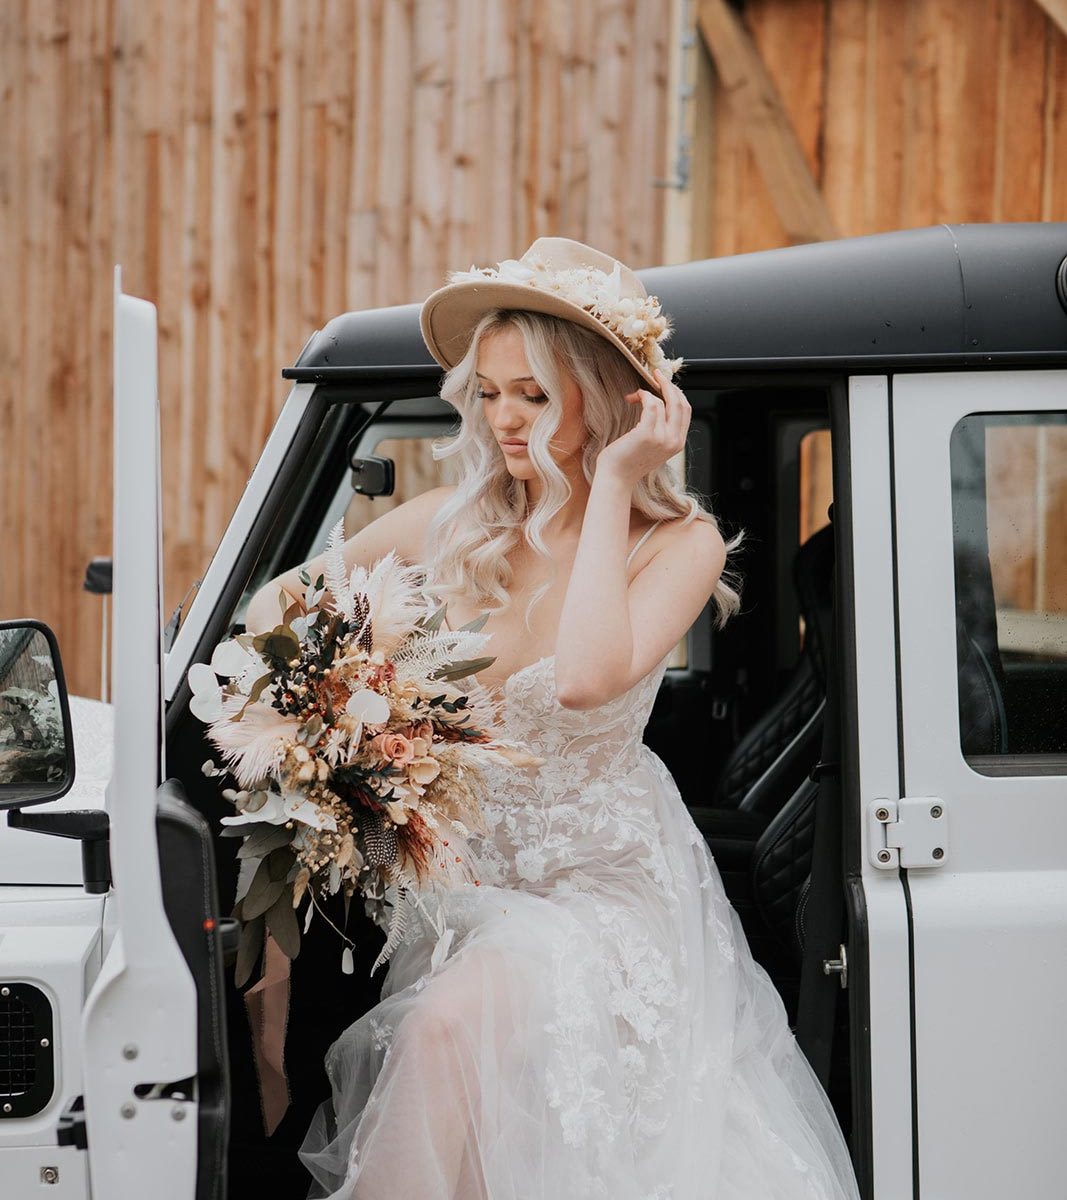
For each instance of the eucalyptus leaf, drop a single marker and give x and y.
(245, 875)
(249, 949)
(460, 670)
(433, 622)
(254, 694)
(282, 923)
(246, 829)
(279, 861)
(264, 840)
(279, 642)
(476, 624)
(262, 891)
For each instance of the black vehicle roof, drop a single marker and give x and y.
(961, 293)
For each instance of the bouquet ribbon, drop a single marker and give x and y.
(267, 1003)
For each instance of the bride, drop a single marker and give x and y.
(591, 1023)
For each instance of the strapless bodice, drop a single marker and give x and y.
(579, 745)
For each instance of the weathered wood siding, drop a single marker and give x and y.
(258, 166)
(910, 113)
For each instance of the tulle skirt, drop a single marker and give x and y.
(591, 1031)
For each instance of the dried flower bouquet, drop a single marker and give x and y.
(358, 758)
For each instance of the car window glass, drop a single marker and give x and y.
(1009, 504)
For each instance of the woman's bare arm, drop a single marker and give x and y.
(402, 529)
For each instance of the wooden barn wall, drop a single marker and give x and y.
(910, 113)
(258, 166)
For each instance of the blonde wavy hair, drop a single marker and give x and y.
(486, 517)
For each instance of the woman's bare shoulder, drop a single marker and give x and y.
(698, 538)
(412, 519)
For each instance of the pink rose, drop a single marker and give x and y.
(394, 747)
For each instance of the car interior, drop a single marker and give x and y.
(738, 719)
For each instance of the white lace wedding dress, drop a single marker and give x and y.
(595, 1025)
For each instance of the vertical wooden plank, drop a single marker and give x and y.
(362, 232)
(263, 107)
(97, 495)
(186, 535)
(499, 170)
(338, 25)
(216, 374)
(285, 233)
(705, 138)
(1020, 112)
(966, 108)
(76, 459)
(431, 134)
(846, 142)
(610, 62)
(542, 111)
(465, 235)
(393, 112)
(889, 51)
(1054, 135)
(167, 214)
(578, 103)
(309, 234)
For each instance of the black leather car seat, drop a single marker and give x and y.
(756, 775)
(755, 800)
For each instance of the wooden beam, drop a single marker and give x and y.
(771, 137)
(1057, 11)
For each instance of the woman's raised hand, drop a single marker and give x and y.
(656, 438)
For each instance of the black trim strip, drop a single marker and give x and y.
(858, 931)
(856, 363)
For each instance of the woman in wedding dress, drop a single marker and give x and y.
(590, 1022)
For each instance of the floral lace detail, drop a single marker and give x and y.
(556, 830)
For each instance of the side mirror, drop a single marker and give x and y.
(36, 742)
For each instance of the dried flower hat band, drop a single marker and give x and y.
(563, 278)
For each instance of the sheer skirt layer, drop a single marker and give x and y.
(598, 1028)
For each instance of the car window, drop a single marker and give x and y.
(1009, 503)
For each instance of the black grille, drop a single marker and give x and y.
(26, 1052)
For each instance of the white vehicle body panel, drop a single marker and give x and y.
(139, 1020)
(990, 925)
(887, 917)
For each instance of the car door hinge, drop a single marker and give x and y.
(910, 832)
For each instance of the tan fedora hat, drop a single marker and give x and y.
(560, 277)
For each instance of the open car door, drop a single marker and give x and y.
(153, 1043)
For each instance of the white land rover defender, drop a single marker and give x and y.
(875, 749)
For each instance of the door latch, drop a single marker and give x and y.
(837, 966)
(910, 832)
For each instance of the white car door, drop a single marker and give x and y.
(977, 827)
(140, 1021)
